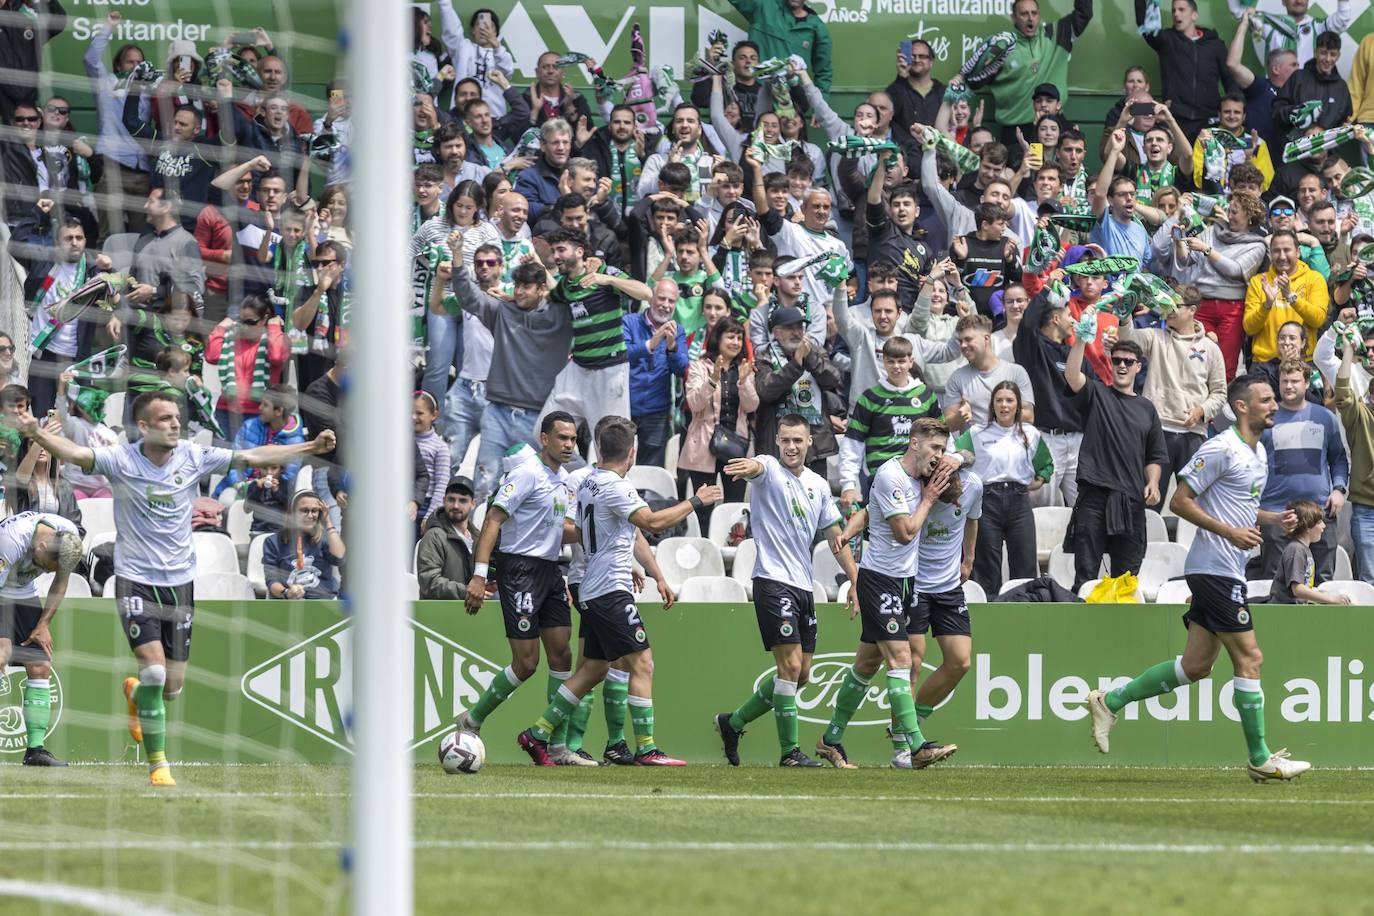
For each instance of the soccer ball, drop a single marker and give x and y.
(462, 752)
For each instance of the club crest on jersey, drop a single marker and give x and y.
(639, 634)
(785, 629)
(893, 626)
(524, 625)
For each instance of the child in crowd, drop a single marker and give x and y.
(434, 454)
(1293, 581)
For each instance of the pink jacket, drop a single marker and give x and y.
(704, 403)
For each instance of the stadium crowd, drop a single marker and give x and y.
(710, 256)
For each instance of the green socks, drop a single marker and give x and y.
(502, 686)
(759, 702)
(37, 710)
(556, 679)
(903, 706)
(923, 712)
(1161, 679)
(577, 722)
(152, 716)
(560, 707)
(847, 702)
(1249, 698)
(785, 714)
(614, 695)
(642, 715)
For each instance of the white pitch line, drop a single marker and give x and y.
(97, 901)
(165, 845)
(716, 797)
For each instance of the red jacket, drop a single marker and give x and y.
(216, 239)
(278, 352)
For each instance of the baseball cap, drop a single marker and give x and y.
(784, 316)
(460, 484)
(1283, 202)
(1046, 89)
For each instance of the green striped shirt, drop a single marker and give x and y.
(882, 418)
(598, 340)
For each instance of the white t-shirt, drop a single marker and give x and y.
(606, 501)
(796, 240)
(63, 343)
(976, 388)
(892, 494)
(787, 510)
(152, 508)
(16, 551)
(942, 538)
(577, 567)
(1228, 478)
(536, 499)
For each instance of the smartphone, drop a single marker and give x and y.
(1142, 109)
(484, 19)
(336, 94)
(183, 63)
(905, 48)
(244, 39)
(1344, 209)
(1037, 151)
(1177, 232)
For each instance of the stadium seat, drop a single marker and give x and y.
(1344, 570)
(240, 523)
(742, 570)
(1163, 561)
(974, 594)
(1050, 524)
(467, 467)
(712, 588)
(77, 586)
(1061, 566)
(818, 592)
(479, 513)
(1343, 536)
(223, 586)
(410, 587)
(686, 558)
(1155, 529)
(257, 576)
(109, 590)
(1167, 493)
(654, 479)
(671, 454)
(1361, 593)
(1008, 586)
(693, 525)
(1258, 588)
(215, 552)
(825, 569)
(1173, 592)
(723, 517)
(1086, 588)
(304, 478)
(97, 517)
(1185, 533)
(843, 595)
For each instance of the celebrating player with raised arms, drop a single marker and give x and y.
(1219, 492)
(901, 496)
(155, 483)
(31, 544)
(788, 505)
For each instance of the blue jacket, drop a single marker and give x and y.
(253, 433)
(651, 389)
(539, 184)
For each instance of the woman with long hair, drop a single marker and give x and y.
(720, 395)
(1012, 461)
(331, 215)
(301, 559)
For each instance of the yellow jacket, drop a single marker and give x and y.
(1361, 81)
(1308, 308)
(1260, 160)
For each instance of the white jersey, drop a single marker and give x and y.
(605, 503)
(892, 494)
(577, 568)
(17, 569)
(536, 499)
(1228, 478)
(787, 510)
(942, 538)
(152, 508)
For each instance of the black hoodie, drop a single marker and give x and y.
(1307, 85)
(1191, 69)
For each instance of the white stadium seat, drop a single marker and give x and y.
(825, 568)
(670, 455)
(1185, 532)
(843, 595)
(1173, 592)
(304, 479)
(77, 587)
(1050, 524)
(1155, 529)
(240, 523)
(467, 467)
(215, 552)
(223, 586)
(712, 588)
(1061, 566)
(257, 576)
(974, 594)
(1163, 561)
(1008, 585)
(1258, 588)
(742, 570)
(97, 517)
(653, 478)
(1361, 593)
(1086, 588)
(1343, 568)
(818, 593)
(109, 590)
(681, 559)
(723, 518)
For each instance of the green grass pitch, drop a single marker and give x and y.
(707, 840)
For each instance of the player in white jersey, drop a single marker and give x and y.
(1219, 492)
(528, 514)
(788, 504)
(943, 563)
(615, 691)
(899, 499)
(155, 483)
(31, 544)
(610, 513)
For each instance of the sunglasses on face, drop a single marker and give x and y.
(53, 109)
(250, 322)
(320, 262)
(1123, 361)
(4, 349)
(1281, 211)
(27, 119)
(485, 262)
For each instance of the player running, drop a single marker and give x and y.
(610, 511)
(1219, 492)
(155, 482)
(31, 544)
(527, 513)
(896, 514)
(788, 504)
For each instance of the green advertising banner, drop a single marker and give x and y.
(270, 681)
(865, 33)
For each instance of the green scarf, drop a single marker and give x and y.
(625, 165)
(228, 376)
(1148, 180)
(289, 270)
(55, 323)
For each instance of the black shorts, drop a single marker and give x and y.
(533, 596)
(18, 617)
(883, 607)
(786, 614)
(614, 629)
(943, 613)
(1219, 604)
(157, 613)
